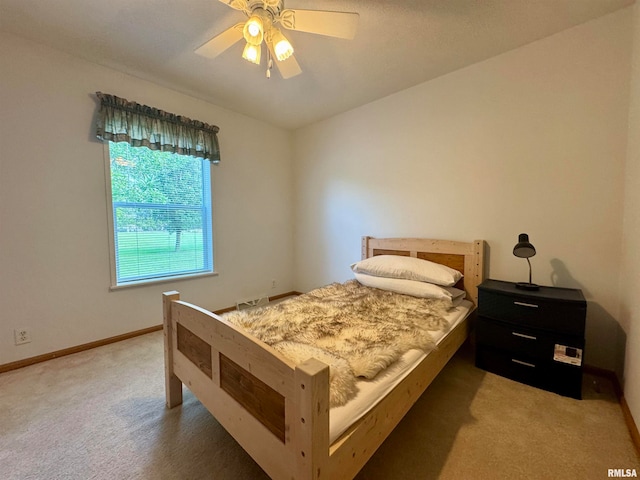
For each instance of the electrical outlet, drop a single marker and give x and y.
(21, 335)
(273, 283)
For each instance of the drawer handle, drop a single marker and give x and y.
(528, 337)
(526, 364)
(522, 304)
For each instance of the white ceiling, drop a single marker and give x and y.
(400, 43)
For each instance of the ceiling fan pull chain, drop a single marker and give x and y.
(269, 63)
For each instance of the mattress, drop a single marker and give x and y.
(370, 392)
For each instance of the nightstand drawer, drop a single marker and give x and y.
(514, 338)
(516, 367)
(532, 312)
(538, 344)
(548, 375)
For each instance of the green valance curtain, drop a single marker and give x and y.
(120, 120)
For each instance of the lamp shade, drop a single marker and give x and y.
(523, 248)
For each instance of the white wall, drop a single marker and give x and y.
(533, 141)
(54, 254)
(630, 278)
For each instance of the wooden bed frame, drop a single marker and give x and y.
(278, 411)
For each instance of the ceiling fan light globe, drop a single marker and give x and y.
(253, 30)
(281, 46)
(252, 53)
(283, 50)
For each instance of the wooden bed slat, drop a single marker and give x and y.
(262, 401)
(400, 253)
(195, 349)
(452, 261)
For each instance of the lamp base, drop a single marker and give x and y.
(527, 286)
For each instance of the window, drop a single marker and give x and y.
(158, 180)
(161, 211)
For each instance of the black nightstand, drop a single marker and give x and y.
(534, 337)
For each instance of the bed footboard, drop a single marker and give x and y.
(277, 411)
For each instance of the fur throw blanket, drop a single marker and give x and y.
(356, 330)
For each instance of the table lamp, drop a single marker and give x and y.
(524, 249)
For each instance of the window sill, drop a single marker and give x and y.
(146, 283)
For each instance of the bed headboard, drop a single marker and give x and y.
(467, 258)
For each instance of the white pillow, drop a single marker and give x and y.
(412, 287)
(408, 268)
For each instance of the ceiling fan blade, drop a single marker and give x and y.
(332, 24)
(241, 5)
(221, 42)
(288, 68)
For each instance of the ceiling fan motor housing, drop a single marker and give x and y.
(271, 7)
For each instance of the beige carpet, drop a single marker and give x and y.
(100, 415)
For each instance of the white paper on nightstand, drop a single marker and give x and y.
(565, 354)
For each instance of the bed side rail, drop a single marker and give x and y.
(350, 452)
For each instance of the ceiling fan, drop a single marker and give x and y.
(262, 27)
